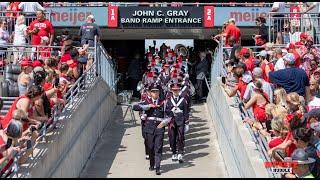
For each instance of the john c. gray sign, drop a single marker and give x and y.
(160, 17)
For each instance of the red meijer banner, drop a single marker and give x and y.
(113, 16)
(208, 19)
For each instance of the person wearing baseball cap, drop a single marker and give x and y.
(265, 65)
(24, 78)
(292, 79)
(244, 79)
(88, 31)
(266, 86)
(303, 39)
(302, 169)
(291, 48)
(247, 58)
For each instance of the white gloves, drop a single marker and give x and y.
(186, 128)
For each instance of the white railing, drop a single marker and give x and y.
(294, 23)
(217, 70)
(82, 85)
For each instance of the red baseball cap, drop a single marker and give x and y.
(303, 35)
(244, 51)
(290, 46)
(37, 64)
(26, 62)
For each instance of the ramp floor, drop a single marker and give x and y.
(119, 152)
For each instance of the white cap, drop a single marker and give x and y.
(90, 16)
(45, 38)
(232, 20)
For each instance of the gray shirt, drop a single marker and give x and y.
(266, 87)
(89, 30)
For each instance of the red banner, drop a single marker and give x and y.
(112, 16)
(208, 16)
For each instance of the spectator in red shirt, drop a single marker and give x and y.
(247, 58)
(44, 51)
(291, 48)
(265, 65)
(244, 79)
(232, 30)
(303, 39)
(41, 27)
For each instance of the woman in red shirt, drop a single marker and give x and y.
(25, 103)
(258, 102)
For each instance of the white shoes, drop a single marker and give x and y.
(180, 158)
(174, 157)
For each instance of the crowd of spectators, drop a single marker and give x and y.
(43, 82)
(280, 86)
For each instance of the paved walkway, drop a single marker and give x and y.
(120, 151)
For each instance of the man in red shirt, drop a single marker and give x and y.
(303, 39)
(247, 58)
(39, 28)
(265, 65)
(291, 48)
(232, 30)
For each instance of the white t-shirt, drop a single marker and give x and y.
(280, 5)
(279, 65)
(30, 7)
(19, 38)
(314, 104)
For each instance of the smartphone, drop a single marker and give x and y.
(9, 143)
(56, 82)
(223, 79)
(29, 144)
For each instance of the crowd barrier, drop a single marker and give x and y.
(228, 114)
(288, 26)
(10, 53)
(83, 84)
(11, 18)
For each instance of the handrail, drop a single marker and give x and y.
(82, 83)
(260, 141)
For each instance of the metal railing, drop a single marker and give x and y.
(218, 70)
(75, 4)
(11, 18)
(72, 97)
(288, 26)
(10, 53)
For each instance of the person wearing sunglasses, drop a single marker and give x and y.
(4, 39)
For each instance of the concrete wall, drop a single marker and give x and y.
(240, 154)
(68, 151)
